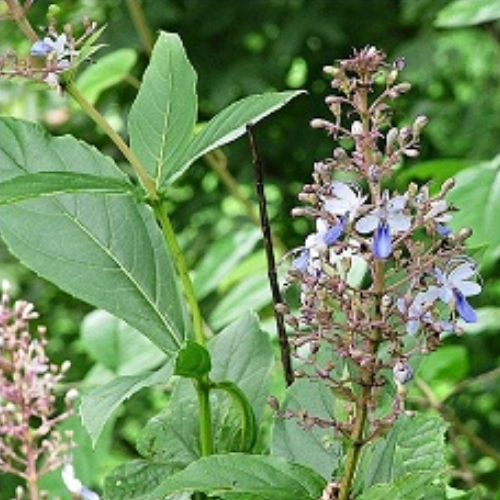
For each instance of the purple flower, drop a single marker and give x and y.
(384, 221)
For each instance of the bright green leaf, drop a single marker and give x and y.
(251, 293)
(117, 346)
(40, 184)
(106, 250)
(239, 476)
(99, 404)
(480, 182)
(467, 13)
(106, 72)
(221, 258)
(163, 115)
(315, 448)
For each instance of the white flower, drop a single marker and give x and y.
(343, 200)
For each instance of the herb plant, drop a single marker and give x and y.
(377, 284)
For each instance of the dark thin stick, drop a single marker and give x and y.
(286, 359)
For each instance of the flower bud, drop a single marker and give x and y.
(402, 372)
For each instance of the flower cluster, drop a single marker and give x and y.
(31, 445)
(416, 278)
(58, 53)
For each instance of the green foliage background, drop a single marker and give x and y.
(244, 47)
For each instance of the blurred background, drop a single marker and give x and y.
(238, 48)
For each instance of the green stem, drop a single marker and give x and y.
(19, 15)
(205, 423)
(182, 269)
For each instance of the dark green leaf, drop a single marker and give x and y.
(192, 361)
(163, 116)
(242, 354)
(315, 448)
(98, 405)
(239, 476)
(416, 486)
(230, 124)
(414, 445)
(104, 249)
(135, 480)
(29, 186)
(468, 13)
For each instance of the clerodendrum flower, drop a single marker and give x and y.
(384, 221)
(455, 285)
(343, 200)
(318, 242)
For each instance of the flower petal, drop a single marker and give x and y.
(302, 261)
(367, 224)
(41, 48)
(382, 244)
(464, 309)
(334, 233)
(399, 222)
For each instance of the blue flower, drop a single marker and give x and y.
(42, 48)
(384, 221)
(316, 244)
(455, 285)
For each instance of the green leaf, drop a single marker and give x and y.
(248, 422)
(192, 361)
(106, 250)
(467, 13)
(135, 479)
(481, 182)
(36, 185)
(163, 115)
(99, 404)
(241, 353)
(230, 124)
(414, 445)
(239, 476)
(106, 72)
(117, 346)
(315, 448)
(221, 258)
(251, 293)
(416, 486)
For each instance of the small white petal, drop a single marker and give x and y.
(399, 222)
(462, 272)
(367, 224)
(469, 288)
